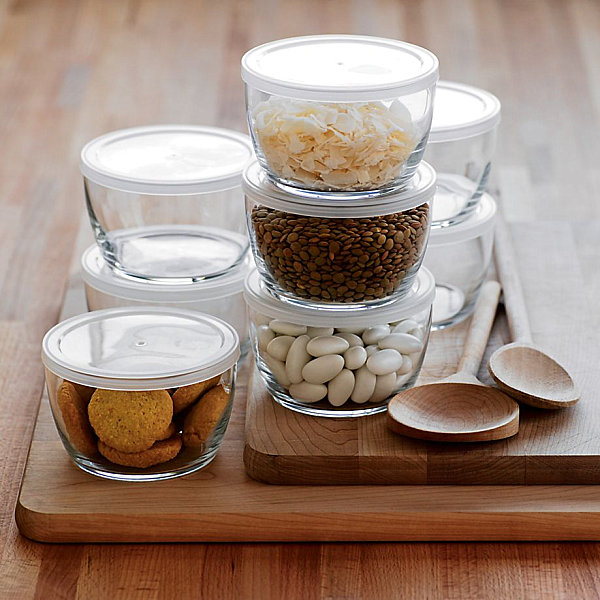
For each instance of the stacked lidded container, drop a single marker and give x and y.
(166, 207)
(339, 211)
(142, 389)
(461, 147)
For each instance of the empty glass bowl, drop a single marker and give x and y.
(165, 201)
(222, 297)
(459, 256)
(461, 146)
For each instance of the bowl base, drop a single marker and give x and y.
(174, 253)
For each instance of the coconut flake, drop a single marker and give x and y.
(353, 146)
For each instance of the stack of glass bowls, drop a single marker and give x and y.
(461, 147)
(166, 207)
(339, 212)
(141, 388)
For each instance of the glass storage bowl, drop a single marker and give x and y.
(339, 113)
(165, 201)
(334, 363)
(141, 394)
(459, 256)
(461, 147)
(222, 297)
(317, 250)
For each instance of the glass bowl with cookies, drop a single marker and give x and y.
(141, 394)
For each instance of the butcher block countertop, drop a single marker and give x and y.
(73, 69)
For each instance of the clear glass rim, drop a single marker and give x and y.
(99, 175)
(258, 187)
(55, 361)
(488, 120)
(419, 298)
(482, 218)
(252, 75)
(100, 276)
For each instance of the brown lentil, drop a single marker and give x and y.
(340, 260)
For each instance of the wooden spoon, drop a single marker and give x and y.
(459, 408)
(522, 369)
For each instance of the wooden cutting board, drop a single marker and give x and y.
(60, 503)
(552, 447)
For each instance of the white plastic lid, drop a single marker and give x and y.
(419, 298)
(421, 188)
(97, 274)
(462, 111)
(167, 159)
(479, 222)
(339, 67)
(140, 348)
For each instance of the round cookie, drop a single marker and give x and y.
(73, 409)
(185, 396)
(170, 430)
(130, 421)
(160, 452)
(203, 417)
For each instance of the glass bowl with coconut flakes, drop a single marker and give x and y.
(339, 113)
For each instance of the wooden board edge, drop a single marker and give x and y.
(294, 470)
(311, 527)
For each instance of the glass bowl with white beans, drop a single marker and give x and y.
(339, 363)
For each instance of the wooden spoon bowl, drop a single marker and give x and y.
(454, 412)
(522, 369)
(531, 376)
(459, 408)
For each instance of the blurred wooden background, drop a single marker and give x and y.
(73, 69)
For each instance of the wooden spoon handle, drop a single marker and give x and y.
(506, 267)
(481, 325)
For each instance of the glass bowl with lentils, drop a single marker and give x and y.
(347, 252)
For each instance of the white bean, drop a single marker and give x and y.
(384, 386)
(364, 385)
(351, 338)
(402, 379)
(372, 349)
(402, 342)
(384, 362)
(418, 332)
(355, 330)
(264, 335)
(327, 344)
(286, 328)
(323, 369)
(407, 365)
(297, 357)
(277, 368)
(355, 357)
(317, 331)
(405, 326)
(373, 334)
(340, 387)
(308, 392)
(278, 347)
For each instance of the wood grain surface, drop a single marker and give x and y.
(72, 69)
(551, 447)
(60, 503)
